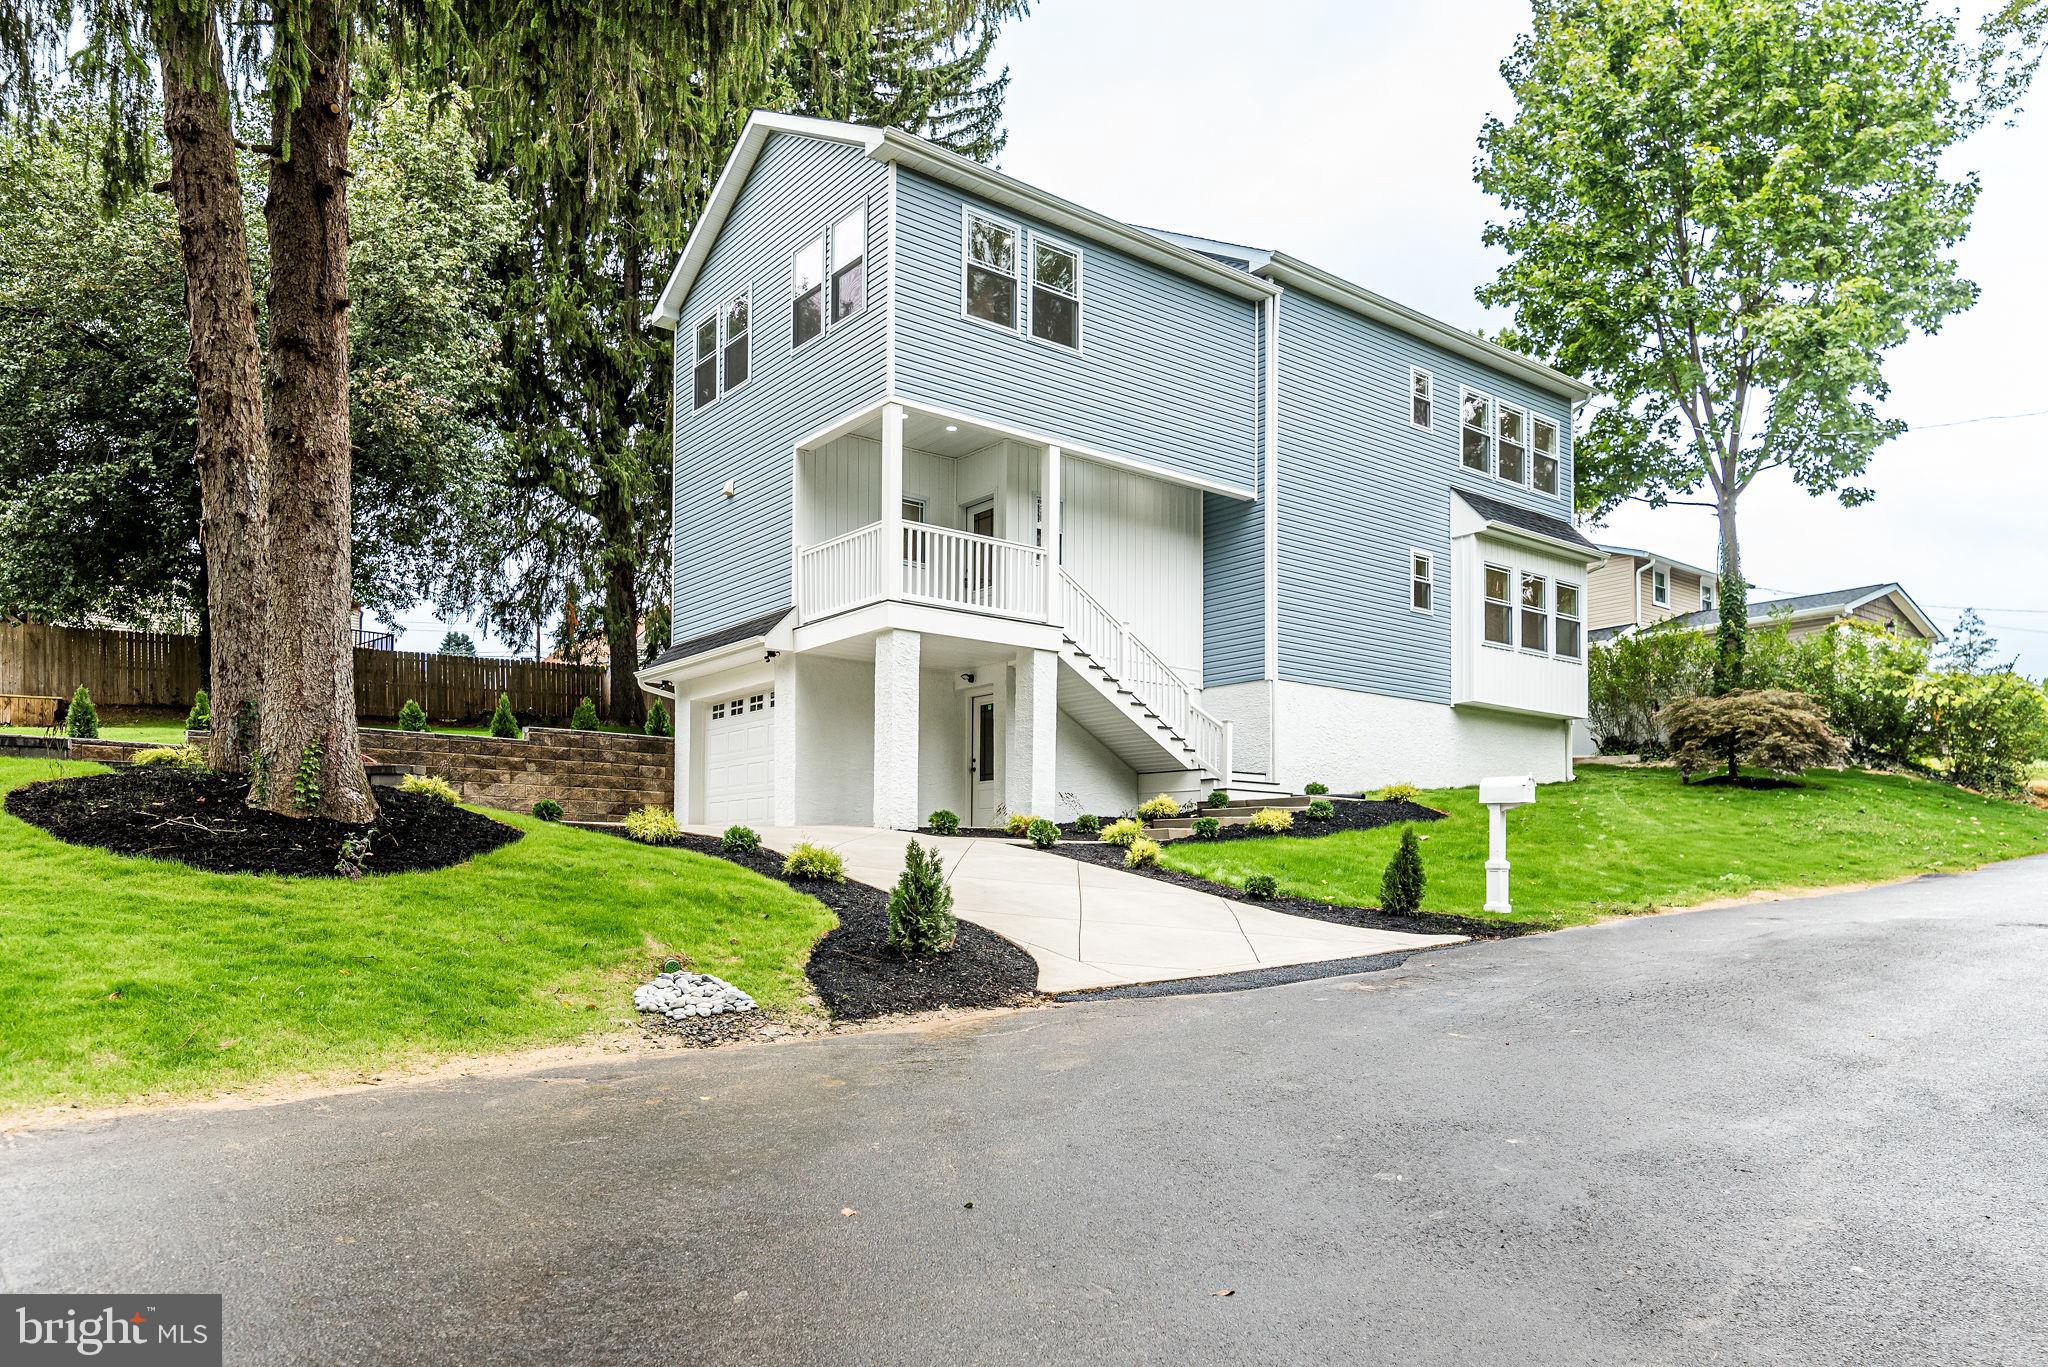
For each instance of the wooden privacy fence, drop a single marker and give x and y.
(158, 669)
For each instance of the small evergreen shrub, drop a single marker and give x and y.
(584, 718)
(921, 917)
(1087, 823)
(426, 785)
(82, 719)
(1316, 789)
(1142, 854)
(1401, 885)
(658, 723)
(815, 863)
(200, 718)
(1399, 792)
(652, 825)
(1019, 823)
(1262, 887)
(1122, 832)
(547, 809)
(412, 717)
(740, 840)
(1042, 833)
(172, 756)
(1207, 827)
(1272, 820)
(504, 725)
(1220, 798)
(1321, 809)
(943, 821)
(1161, 808)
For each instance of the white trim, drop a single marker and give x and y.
(889, 297)
(1416, 372)
(1078, 296)
(1272, 496)
(1037, 438)
(894, 614)
(1428, 558)
(968, 213)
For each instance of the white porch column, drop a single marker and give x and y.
(1049, 531)
(681, 714)
(897, 655)
(782, 739)
(1033, 737)
(892, 501)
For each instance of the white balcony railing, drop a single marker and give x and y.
(842, 573)
(960, 569)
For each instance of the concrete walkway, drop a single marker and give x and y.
(1091, 927)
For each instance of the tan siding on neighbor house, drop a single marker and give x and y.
(1611, 594)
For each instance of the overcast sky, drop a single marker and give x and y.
(1345, 134)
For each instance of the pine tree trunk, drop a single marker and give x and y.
(309, 698)
(227, 375)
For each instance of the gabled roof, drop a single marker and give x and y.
(1513, 517)
(1828, 606)
(1631, 552)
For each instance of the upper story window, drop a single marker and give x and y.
(1660, 588)
(807, 292)
(720, 337)
(1422, 581)
(704, 373)
(1512, 464)
(1477, 432)
(1569, 636)
(1499, 624)
(736, 344)
(1421, 393)
(1543, 464)
(989, 291)
(1706, 596)
(849, 264)
(1535, 613)
(1055, 294)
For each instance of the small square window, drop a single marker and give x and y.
(1421, 582)
(1421, 389)
(757, 702)
(718, 711)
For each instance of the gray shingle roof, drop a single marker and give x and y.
(1839, 600)
(723, 636)
(1528, 520)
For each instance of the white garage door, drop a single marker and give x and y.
(739, 772)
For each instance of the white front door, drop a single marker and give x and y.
(739, 767)
(983, 793)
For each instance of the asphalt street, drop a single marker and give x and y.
(1799, 1132)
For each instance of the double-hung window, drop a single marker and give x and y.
(1660, 588)
(1055, 294)
(1422, 581)
(1421, 390)
(1569, 636)
(704, 372)
(1478, 432)
(1499, 623)
(807, 292)
(849, 264)
(737, 346)
(1513, 448)
(1706, 595)
(1535, 613)
(989, 291)
(1543, 464)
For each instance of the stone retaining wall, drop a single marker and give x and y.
(595, 775)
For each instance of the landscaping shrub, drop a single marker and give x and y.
(1321, 809)
(176, 756)
(1018, 823)
(1630, 679)
(306, 781)
(1273, 820)
(1207, 827)
(1985, 730)
(1087, 823)
(1161, 808)
(1262, 887)
(1220, 798)
(658, 723)
(921, 917)
(412, 717)
(1042, 833)
(504, 725)
(584, 718)
(740, 840)
(652, 825)
(1122, 832)
(82, 719)
(426, 785)
(1861, 678)
(1316, 789)
(200, 718)
(547, 809)
(1399, 792)
(1401, 884)
(350, 859)
(1770, 729)
(814, 862)
(1142, 854)
(943, 821)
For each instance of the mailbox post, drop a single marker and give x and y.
(1499, 794)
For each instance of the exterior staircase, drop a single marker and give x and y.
(1119, 688)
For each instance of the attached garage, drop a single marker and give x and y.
(739, 769)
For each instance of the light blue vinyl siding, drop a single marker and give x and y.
(732, 555)
(1234, 567)
(1167, 372)
(1359, 488)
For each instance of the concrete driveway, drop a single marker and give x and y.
(1090, 927)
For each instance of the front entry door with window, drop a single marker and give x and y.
(979, 569)
(983, 796)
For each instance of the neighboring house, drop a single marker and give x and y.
(1640, 588)
(988, 502)
(1881, 605)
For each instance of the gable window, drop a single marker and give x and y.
(736, 346)
(1055, 295)
(849, 265)
(705, 374)
(1513, 446)
(1478, 432)
(1421, 581)
(1543, 465)
(1535, 613)
(807, 292)
(1421, 388)
(1706, 595)
(991, 271)
(1660, 588)
(1499, 624)
(1568, 632)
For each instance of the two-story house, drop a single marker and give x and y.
(989, 502)
(1637, 588)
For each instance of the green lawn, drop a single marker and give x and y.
(1622, 841)
(128, 977)
(155, 732)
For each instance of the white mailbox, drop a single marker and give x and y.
(1497, 795)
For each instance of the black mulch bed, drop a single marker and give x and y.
(203, 820)
(858, 978)
(1352, 814)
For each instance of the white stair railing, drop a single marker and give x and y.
(1103, 637)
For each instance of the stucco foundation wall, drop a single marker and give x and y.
(1090, 778)
(1248, 709)
(1355, 741)
(835, 740)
